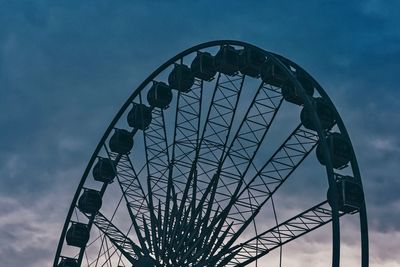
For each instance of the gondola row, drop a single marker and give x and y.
(229, 61)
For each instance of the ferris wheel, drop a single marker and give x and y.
(187, 172)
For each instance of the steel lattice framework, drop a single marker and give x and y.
(190, 164)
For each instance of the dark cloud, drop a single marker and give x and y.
(66, 68)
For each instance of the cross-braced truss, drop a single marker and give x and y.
(203, 177)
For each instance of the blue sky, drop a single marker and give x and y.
(67, 66)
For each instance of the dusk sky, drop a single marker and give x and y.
(66, 67)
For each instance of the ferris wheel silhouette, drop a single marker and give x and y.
(186, 170)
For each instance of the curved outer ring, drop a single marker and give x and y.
(280, 61)
(354, 166)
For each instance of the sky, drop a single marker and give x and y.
(67, 66)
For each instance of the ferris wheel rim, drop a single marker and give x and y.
(279, 60)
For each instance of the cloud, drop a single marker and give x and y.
(28, 230)
(65, 69)
(385, 144)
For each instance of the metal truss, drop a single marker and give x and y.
(239, 157)
(157, 157)
(157, 164)
(301, 224)
(217, 128)
(201, 190)
(197, 152)
(131, 188)
(186, 134)
(126, 246)
(135, 198)
(270, 177)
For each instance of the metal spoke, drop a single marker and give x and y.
(272, 175)
(194, 185)
(246, 142)
(217, 129)
(125, 245)
(281, 234)
(132, 192)
(156, 147)
(186, 134)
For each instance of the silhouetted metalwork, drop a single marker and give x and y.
(186, 159)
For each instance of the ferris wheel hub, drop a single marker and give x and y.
(144, 261)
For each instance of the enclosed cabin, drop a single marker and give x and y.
(77, 235)
(203, 66)
(121, 141)
(273, 74)
(291, 92)
(350, 194)
(159, 95)
(339, 150)
(250, 61)
(306, 82)
(139, 116)
(68, 262)
(90, 201)
(324, 113)
(104, 170)
(181, 78)
(227, 60)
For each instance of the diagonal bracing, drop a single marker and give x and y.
(301, 224)
(125, 245)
